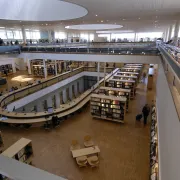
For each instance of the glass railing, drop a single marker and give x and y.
(18, 94)
(8, 49)
(172, 61)
(100, 48)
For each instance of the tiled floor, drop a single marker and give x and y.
(124, 147)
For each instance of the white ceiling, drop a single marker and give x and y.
(136, 15)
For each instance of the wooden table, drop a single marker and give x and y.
(85, 151)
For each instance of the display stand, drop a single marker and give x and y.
(1, 143)
(109, 108)
(117, 92)
(124, 84)
(154, 166)
(21, 151)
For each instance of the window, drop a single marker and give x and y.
(84, 36)
(123, 36)
(105, 36)
(91, 38)
(10, 34)
(3, 34)
(149, 35)
(60, 35)
(32, 34)
(18, 34)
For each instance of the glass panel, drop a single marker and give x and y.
(18, 34)
(3, 34)
(10, 34)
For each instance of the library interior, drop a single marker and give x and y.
(89, 90)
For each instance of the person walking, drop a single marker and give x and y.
(145, 111)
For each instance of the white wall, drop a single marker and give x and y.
(168, 130)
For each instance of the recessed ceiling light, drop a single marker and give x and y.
(139, 18)
(67, 27)
(107, 20)
(96, 15)
(124, 19)
(101, 20)
(20, 21)
(46, 24)
(42, 24)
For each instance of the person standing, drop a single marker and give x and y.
(145, 111)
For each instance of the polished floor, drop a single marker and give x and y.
(124, 147)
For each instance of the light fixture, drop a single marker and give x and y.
(139, 18)
(42, 24)
(124, 19)
(107, 20)
(20, 21)
(46, 24)
(96, 15)
(67, 27)
(101, 20)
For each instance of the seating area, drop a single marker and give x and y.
(85, 156)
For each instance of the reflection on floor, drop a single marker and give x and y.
(124, 148)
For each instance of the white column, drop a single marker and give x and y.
(176, 32)
(49, 101)
(29, 66)
(98, 70)
(13, 67)
(49, 36)
(45, 69)
(55, 68)
(104, 73)
(170, 32)
(134, 37)
(57, 99)
(24, 35)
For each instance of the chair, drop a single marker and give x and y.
(93, 161)
(88, 141)
(82, 161)
(74, 145)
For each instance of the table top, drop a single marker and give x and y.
(85, 151)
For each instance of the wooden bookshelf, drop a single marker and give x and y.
(109, 108)
(21, 151)
(124, 69)
(125, 77)
(118, 92)
(1, 143)
(154, 165)
(124, 84)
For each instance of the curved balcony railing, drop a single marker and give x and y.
(173, 63)
(65, 109)
(18, 94)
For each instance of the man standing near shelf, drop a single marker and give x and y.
(145, 111)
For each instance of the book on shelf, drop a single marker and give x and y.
(108, 107)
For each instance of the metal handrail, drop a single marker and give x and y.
(173, 63)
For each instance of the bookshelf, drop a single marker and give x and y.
(21, 151)
(1, 143)
(118, 92)
(124, 84)
(109, 108)
(124, 69)
(132, 66)
(154, 166)
(38, 70)
(125, 77)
